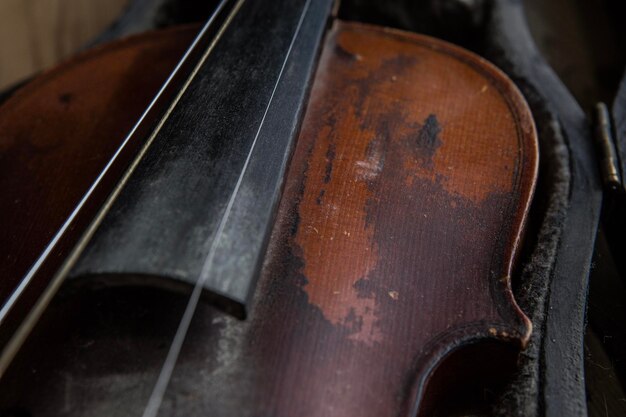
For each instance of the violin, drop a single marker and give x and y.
(279, 214)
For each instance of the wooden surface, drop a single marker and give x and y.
(35, 34)
(402, 209)
(386, 279)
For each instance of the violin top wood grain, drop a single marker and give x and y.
(402, 216)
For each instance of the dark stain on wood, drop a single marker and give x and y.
(330, 157)
(428, 138)
(343, 54)
(66, 98)
(320, 196)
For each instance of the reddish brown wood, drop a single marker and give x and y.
(402, 215)
(386, 283)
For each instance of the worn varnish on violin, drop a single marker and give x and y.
(388, 267)
(398, 227)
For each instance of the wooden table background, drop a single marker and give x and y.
(36, 34)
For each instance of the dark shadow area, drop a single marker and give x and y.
(469, 380)
(92, 352)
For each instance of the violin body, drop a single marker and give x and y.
(386, 285)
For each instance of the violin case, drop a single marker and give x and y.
(569, 279)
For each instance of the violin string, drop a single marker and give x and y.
(158, 393)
